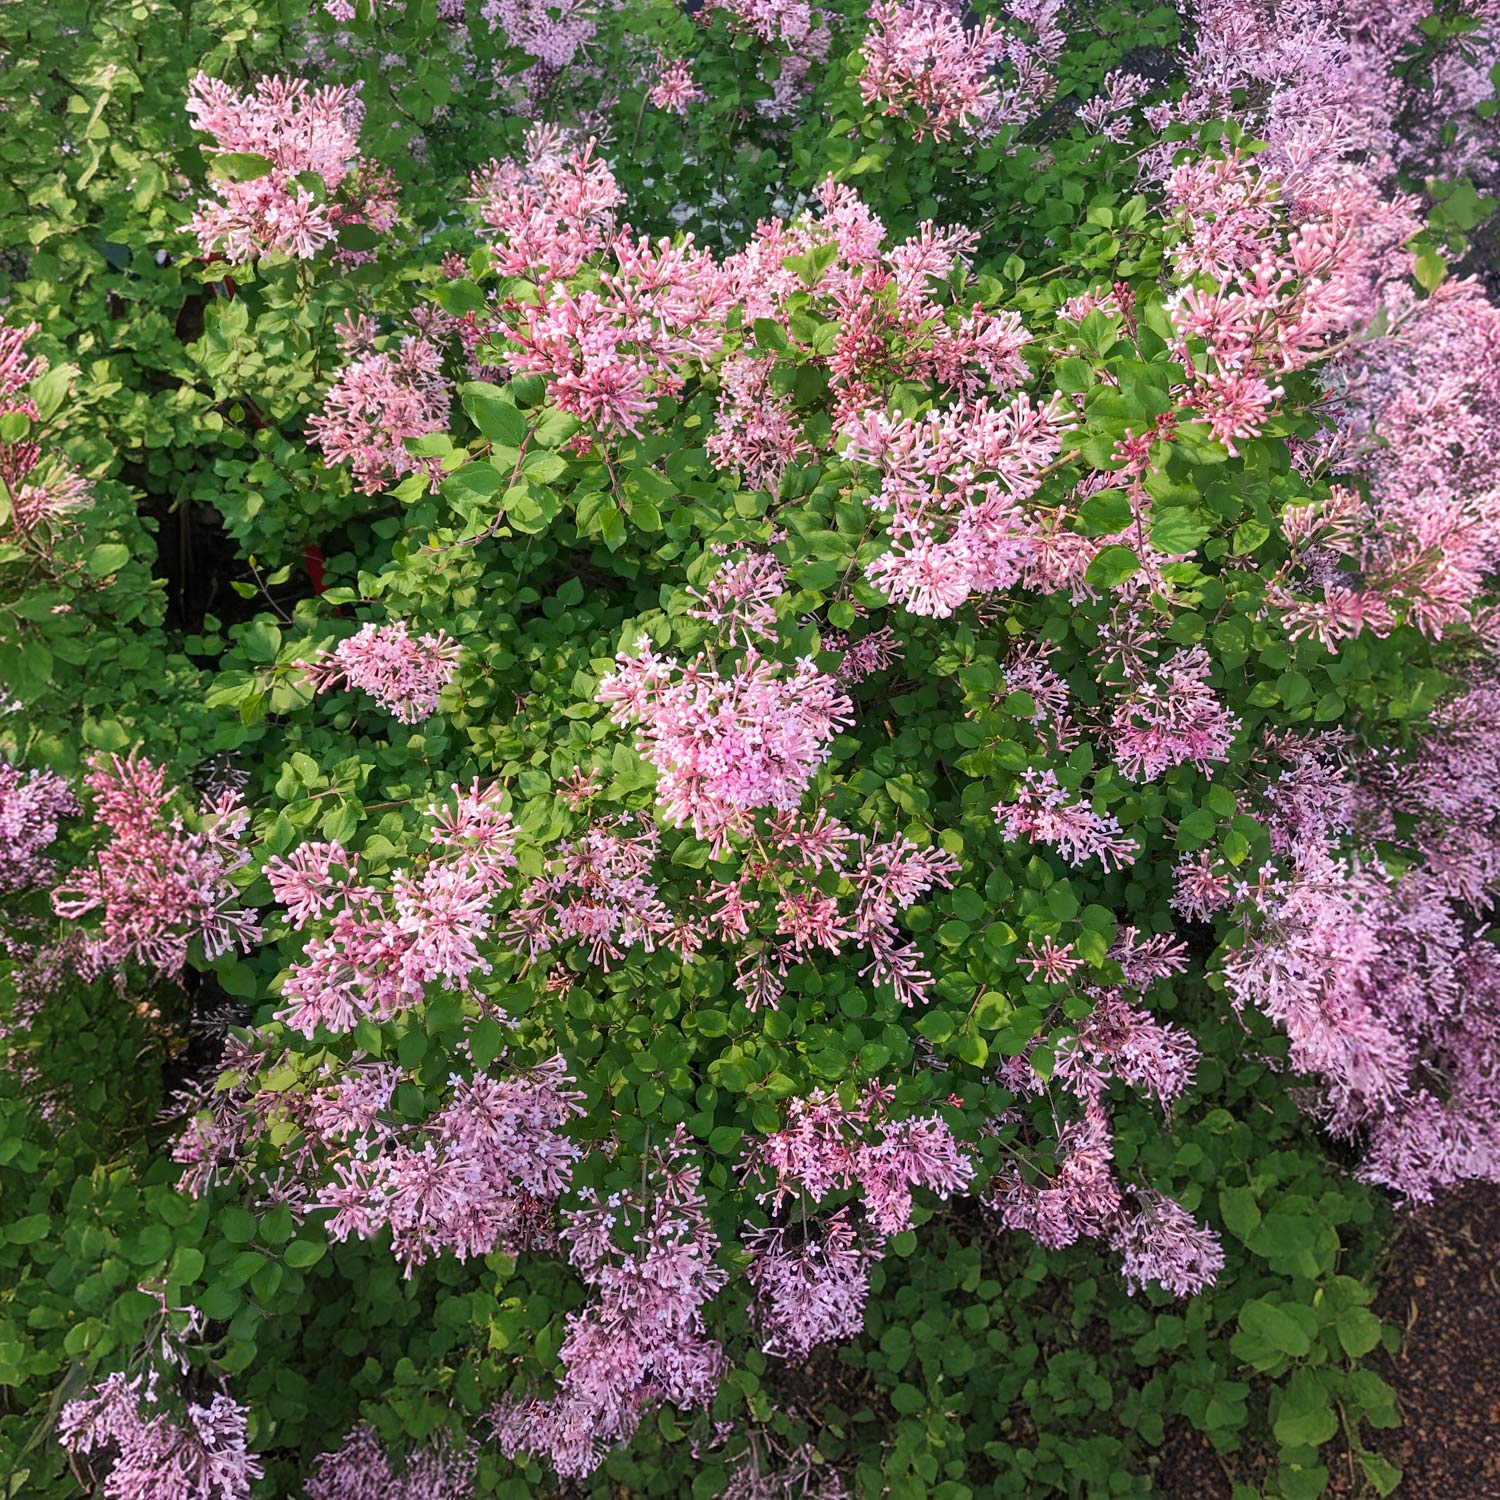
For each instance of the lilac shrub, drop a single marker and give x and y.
(859, 764)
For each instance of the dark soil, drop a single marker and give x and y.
(1441, 1287)
(1190, 1467)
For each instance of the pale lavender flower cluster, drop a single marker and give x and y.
(477, 1175)
(1081, 1198)
(155, 885)
(1072, 1192)
(1172, 717)
(480, 1175)
(639, 1341)
(1124, 1041)
(31, 806)
(443, 1468)
(801, 1474)
(553, 34)
(810, 1282)
(811, 1276)
(870, 654)
(45, 490)
(1161, 1242)
(378, 401)
(156, 1454)
(599, 892)
(1046, 814)
(1378, 970)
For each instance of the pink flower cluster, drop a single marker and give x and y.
(1320, 257)
(1109, 113)
(657, 312)
(553, 209)
(155, 885)
(157, 1455)
(382, 946)
(299, 132)
(379, 400)
(598, 892)
(725, 743)
(1171, 718)
(610, 354)
(793, 32)
(1277, 298)
(404, 674)
(1375, 968)
(1045, 814)
(672, 85)
(952, 491)
(639, 1341)
(921, 61)
(553, 34)
(758, 432)
(44, 490)
(888, 325)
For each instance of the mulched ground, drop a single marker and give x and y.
(1441, 1286)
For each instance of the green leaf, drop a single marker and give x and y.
(486, 1042)
(1106, 512)
(1239, 1211)
(493, 413)
(25, 668)
(28, 1230)
(108, 558)
(238, 1225)
(1281, 1331)
(240, 166)
(1248, 535)
(769, 334)
(554, 428)
(1111, 567)
(1304, 1416)
(1430, 270)
(1383, 1475)
(460, 297)
(357, 237)
(1181, 529)
(1358, 1331)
